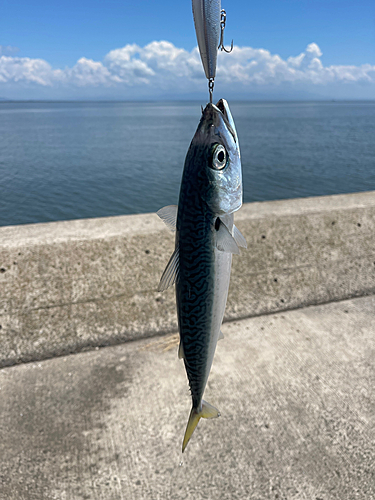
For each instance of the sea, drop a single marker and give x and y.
(70, 160)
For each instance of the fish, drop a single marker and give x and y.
(207, 15)
(206, 238)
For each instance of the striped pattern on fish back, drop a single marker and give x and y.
(194, 290)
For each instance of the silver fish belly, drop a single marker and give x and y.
(206, 238)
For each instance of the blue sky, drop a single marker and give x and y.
(62, 33)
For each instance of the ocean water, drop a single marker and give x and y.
(68, 160)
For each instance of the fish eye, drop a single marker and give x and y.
(219, 157)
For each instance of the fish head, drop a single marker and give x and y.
(214, 157)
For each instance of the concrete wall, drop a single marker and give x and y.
(67, 286)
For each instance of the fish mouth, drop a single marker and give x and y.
(223, 105)
(222, 108)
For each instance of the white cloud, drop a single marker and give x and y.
(87, 72)
(126, 65)
(160, 66)
(261, 67)
(314, 50)
(24, 69)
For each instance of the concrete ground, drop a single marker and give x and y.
(296, 391)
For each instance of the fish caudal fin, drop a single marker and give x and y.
(207, 411)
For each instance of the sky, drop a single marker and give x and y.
(290, 49)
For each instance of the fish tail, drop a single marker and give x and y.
(206, 411)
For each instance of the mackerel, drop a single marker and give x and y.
(206, 238)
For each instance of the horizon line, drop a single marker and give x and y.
(5, 100)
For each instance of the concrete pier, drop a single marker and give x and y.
(104, 417)
(71, 286)
(296, 391)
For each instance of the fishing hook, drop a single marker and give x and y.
(223, 18)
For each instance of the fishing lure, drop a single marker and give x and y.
(209, 20)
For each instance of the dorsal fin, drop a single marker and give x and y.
(168, 215)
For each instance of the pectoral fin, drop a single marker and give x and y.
(225, 241)
(239, 237)
(207, 411)
(227, 220)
